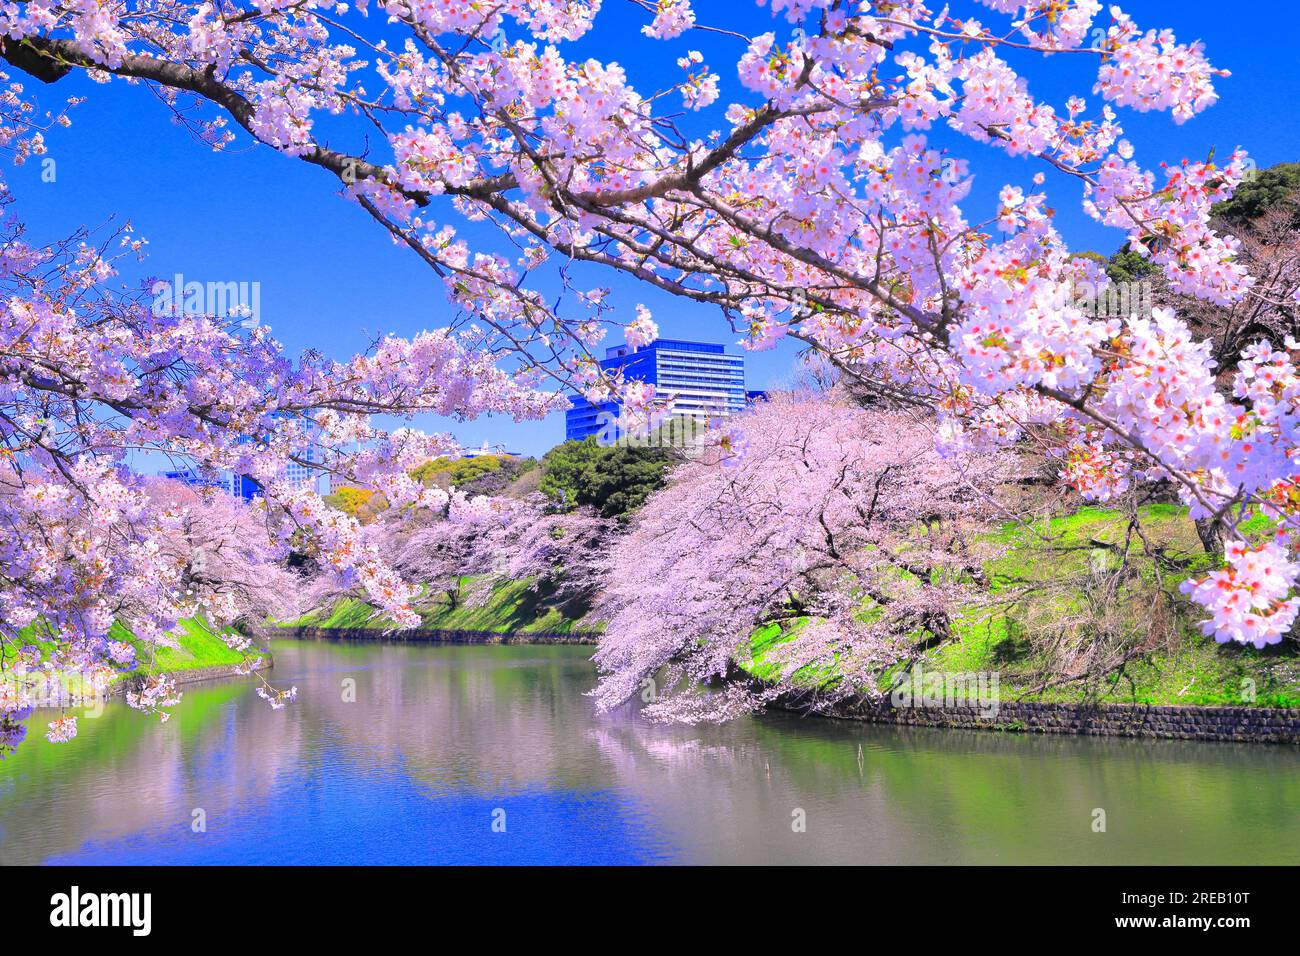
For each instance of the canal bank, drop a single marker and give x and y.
(1271, 725)
(913, 705)
(197, 675)
(59, 690)
(428, 635)
(1275, 725)
(197, 653)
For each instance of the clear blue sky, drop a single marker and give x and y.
(331, 279)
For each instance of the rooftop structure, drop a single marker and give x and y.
(695, 380)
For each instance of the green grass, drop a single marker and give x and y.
(199, 646)
(764, 644)
(1194, 670)
(346, 612)
(510, 607)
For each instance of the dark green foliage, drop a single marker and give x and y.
(1271, 188)
(1127, 266)
(615, 480)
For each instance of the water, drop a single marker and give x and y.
(441, 738)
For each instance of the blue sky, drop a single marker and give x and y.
(331, 279)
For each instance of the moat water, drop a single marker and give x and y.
(472, 754)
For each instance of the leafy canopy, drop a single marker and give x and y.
(616, 480)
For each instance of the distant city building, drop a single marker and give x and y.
(497, 450)
(242, 486)
(298, 474)
(694, 380)
(187, 476)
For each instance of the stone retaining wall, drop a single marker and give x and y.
(430, 635)
(1250, 724)
(197, 675)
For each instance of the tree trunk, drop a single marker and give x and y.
(1210, 531)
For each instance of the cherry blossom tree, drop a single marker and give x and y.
(1264, 216)
(440, 548)
(1270, 251)
(223, 548)
(844, 526)
(562, 553)
(793, 188)
(495, 540)
(89, 378)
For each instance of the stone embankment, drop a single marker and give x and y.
(1245, 724)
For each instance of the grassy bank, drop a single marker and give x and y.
(1042, 576)
(199, 646)
(498, 607)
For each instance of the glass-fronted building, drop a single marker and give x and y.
(695, 380)
(242, 486)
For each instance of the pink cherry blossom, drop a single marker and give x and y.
(796, 510)
(62, 730)
(815, 204)
(642, 330)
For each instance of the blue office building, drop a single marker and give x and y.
(695, 380)
(242, 486)
(188, 476)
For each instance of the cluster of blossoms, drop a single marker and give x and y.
(1169, 225)
(701, 87)
(153, 694)
(278, 699)
(1095, 470)
(464, 509)
(1249, 600)
(1152, 71)
(62, 730)
(672, 19)
(798, 515)
(642, 330)
(818, 208)
(489, 539)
